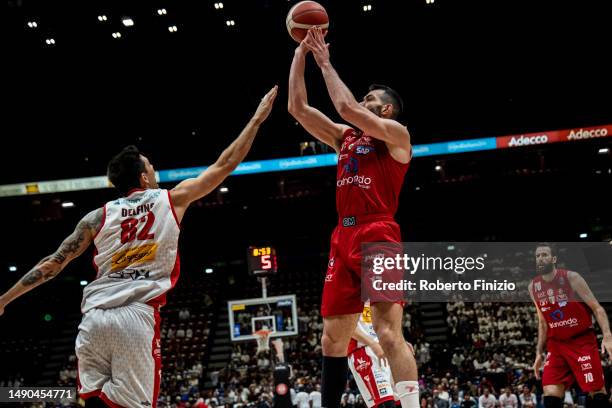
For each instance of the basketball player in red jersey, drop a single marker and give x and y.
(373, 156)
(565, 306)
(137, 263)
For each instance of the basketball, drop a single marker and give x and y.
(304, 15)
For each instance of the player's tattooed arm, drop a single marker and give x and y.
(51, 265)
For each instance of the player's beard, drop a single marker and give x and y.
(377, 110)
(544, 268)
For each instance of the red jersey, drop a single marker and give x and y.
(368, 180)
(565, 314)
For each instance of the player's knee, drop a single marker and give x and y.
(599, 400)
(552, 402)
(388, 338)
(332, 345)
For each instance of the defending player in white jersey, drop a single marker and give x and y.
(136, 260)
(367, 362)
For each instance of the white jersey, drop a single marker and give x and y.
(136, 255)
(365, 324)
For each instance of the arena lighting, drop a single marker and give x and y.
(117, 35)
(438, 167)
(172, 29)
(12, 268)
(84, 283)
(32, 24)
(367, 7)
(604, 150)
(127, 21)
(224, 189)
(102, 17)
(218, 6)
(162, 12)
(67, 204)
(584, 235)
(208, 270)
(50, 41)
(230, 23)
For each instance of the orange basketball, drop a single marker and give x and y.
(304, 15)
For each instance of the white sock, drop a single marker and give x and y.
(408, 393)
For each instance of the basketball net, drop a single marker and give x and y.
(263, 340)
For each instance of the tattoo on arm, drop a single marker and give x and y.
(51, 265)
(32, 277)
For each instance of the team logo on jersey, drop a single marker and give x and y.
(362, 364)
(557, 315)
(132, 256)
(538, 286)
(586, 366)
(550, 292)
(331, 262)
(134, 274)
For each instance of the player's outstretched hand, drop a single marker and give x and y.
(606, 346)
(302, 48)
(380, 354)
(537, 365)
(315, 41)
(265, 106)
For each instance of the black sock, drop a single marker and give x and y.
(598, 400)
(387, 404)
(552, 402)
(333, 381)
(94, 402)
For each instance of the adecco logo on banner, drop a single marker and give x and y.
(529, 139)
(588, 133)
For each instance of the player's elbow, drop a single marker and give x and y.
(296, 109)
(348, 110)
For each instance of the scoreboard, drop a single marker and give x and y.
(261, 260)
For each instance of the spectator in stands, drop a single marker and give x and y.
(184, 314)
(302, 399)
(487, 400)
(468, 401)
(527, 398)
(508, 399)
(438, 399)
(315, 397)
(180, 333)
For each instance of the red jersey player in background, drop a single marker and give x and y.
(373, 156)
(565, 306)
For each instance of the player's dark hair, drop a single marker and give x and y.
(390, 96)
(553, 248)
(125, 168)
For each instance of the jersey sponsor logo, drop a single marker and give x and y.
(586, 366)
(360, 180)
(582, 359)
(132, 256)
(528, 140)
(564, 323)
(330, 264)
(538, 286)
(363, 150)
(133, 212)
(587, 134)
(366, 315)
(133, 274)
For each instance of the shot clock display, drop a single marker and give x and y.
(261, 260)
